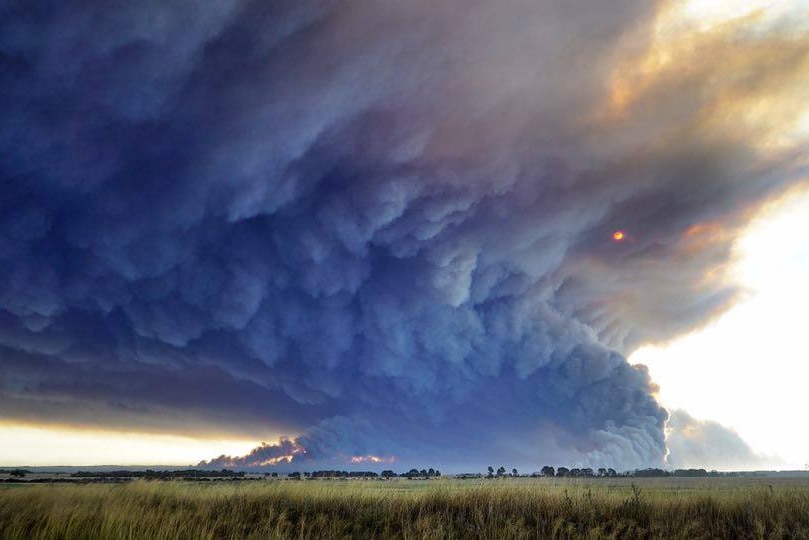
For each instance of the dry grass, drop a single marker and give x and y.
(435, 509)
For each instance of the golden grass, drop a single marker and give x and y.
(407, 509)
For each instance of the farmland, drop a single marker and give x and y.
(438, 508)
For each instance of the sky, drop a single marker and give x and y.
(319, 233)
(716, 372)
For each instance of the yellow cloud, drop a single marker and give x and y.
(724, 71)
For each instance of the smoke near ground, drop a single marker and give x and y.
(385, 229)
(705, 444)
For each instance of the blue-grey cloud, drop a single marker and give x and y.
(382, 227)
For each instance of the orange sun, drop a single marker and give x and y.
(618, 236)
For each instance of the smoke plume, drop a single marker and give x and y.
(382, 228)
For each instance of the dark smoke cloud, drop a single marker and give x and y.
(382, 226)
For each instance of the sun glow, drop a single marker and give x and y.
(618, 236)
(705, 14)
(44, 446)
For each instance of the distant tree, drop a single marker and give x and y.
(547, 470)
(602, 472)
(651, 472)
(18, 473)
(491, 472)
(388, 474)
(423, 473)
(691, 472)
(294, 475)
(501, 471)
(562, 471)
(588, 472)
(611, 473)
(437, 472)
(514, 472)
(575, 472)
(307, 474)
(431, 472)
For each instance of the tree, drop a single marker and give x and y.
(514, 472)
(651, 473)
(501, 471)
(547, 470)
(431, 472)
(491, 472)
(388, 474)
(602, 472)
(611, 473)
(18, 473)
(423, 473)
(562, 471)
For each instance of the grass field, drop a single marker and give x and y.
(513, 508)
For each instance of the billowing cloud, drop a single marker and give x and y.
(705, 444)
(385, 229)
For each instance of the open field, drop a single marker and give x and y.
(445, 508)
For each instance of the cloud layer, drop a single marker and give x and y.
(384, 228)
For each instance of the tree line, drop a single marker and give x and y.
(149, 473)
(501, 472)
(412, 473)
(585, 472)
(604, 472)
